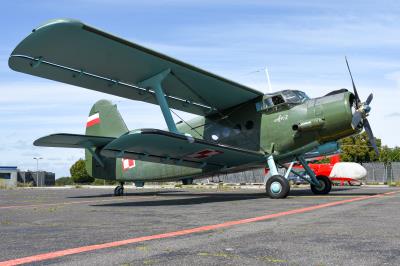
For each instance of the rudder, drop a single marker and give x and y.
(106, 121)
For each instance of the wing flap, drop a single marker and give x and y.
(65, 140)
(74, 53)
(160, 146)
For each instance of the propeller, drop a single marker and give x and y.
(362, 110)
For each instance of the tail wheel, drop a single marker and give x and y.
(277, 187)
(119, 191)
(324, 187)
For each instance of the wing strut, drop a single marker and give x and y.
(94, 154)
(154, 83)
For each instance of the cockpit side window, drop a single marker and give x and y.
(277, 99)
(268, 102)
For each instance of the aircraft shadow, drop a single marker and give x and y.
(144, 193)
(193, 198)
(188, 199)
(296, 192)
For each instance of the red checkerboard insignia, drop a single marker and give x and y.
(128, 164)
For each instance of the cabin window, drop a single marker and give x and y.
(214, 137)
(237, 128)
(226, 132)
(249, 125)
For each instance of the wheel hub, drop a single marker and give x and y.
(276, 187)
(321, 185)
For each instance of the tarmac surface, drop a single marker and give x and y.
(350, 226)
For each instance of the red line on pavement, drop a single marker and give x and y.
(71, 251)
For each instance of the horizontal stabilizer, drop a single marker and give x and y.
(165, 147)
(65, 140)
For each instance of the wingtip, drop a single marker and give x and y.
(58, 21)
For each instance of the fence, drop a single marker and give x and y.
(381, 173)
(376, 173)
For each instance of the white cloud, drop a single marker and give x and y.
(394, 76)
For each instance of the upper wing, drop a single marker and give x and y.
(160, 146)
(74, 53)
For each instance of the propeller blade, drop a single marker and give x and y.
(357, 98)
(369, 99)
(370, 135)
(355, 121)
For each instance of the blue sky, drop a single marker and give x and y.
(303, 43)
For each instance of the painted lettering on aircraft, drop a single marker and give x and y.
(281, 118)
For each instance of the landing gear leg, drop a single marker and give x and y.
(277, 186)
(119, 190)
(319, 184)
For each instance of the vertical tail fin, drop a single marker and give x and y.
(106, 121)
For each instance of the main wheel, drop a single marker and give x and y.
(324, 187)
(277, 187)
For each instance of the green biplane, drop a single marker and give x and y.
(237, 128)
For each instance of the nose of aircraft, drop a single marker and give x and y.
(336, 110)
(349, 170)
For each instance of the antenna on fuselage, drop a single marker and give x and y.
(268, 80)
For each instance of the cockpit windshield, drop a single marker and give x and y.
(294, 96)
(280, 98)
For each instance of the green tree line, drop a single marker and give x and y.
(358, 149)
(79, 175)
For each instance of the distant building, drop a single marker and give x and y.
(8, 176)
(38, 179)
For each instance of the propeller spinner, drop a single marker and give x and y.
(362, 110)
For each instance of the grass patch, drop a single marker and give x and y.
(218, 254)
(29, 184)
(394, 184)
(4, 186)
(142, 248)
(149, 262)
(273, 260)
(373, 183)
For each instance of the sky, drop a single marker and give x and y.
(303, 44)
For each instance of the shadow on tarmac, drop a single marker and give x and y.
(188, 199)
(195, 198)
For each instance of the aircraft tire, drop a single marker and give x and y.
(325, 188)
(277, 187)
(119, 191)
